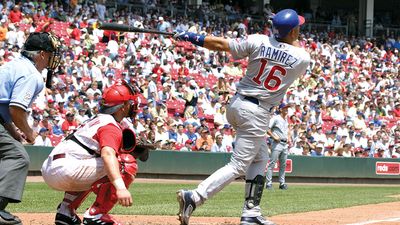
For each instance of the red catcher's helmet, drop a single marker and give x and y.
(115, 96)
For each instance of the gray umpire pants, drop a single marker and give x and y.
(14, 163)
(279, 152)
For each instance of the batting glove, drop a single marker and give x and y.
(195, 39)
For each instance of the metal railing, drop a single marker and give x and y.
(323, 27)
(378, 32)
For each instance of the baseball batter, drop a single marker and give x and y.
(278, 131)
(274, 64)
(96, 157)
(20, 82)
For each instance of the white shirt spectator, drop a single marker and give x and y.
(296, 150)
(40, 142)
(337, 114)
(219, 148)
(113, 47)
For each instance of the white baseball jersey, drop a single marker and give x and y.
(88, 131)
(273, 67)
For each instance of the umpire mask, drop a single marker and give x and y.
(44, 41)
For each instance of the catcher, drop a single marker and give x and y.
(100, 156)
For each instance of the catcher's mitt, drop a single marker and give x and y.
(142, 149)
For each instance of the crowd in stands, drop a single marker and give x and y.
(347, 104)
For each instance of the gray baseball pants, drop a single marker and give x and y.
(279, 152)
(250, 155)
(14, 163)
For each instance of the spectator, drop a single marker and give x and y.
(218, 145)
(36, 123)
(181, 136)
(337, 112)
(177, 118)
(81, 117)
(161, 133)
(297, 149)
(396, 153)
(70, 124)
(188, 146)
(57, 129)
(45, 123)
(172, 132)
(159, 111)
(318, 152)
(15, 15)
(359, 122)
(42, 139)
(204, 142)
(152, 88)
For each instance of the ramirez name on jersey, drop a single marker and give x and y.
(277, 56)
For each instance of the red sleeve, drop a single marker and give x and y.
(64, 126)
(110, 136)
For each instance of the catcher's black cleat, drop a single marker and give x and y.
(62, 219)
(255, 221)
(186, 206)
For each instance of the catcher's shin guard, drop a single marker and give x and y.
(254, 189)
(106, 196)
(66, 210)
(76, 197)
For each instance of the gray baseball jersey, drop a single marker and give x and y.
(273, 66)
(279, 127)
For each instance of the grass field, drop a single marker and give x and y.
(160, 199)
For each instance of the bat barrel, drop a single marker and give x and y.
(127, 28)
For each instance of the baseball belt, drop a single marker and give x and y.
(250, 99)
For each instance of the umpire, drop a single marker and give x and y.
(20, 82)
(278, 131)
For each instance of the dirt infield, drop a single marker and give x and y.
(384, 213)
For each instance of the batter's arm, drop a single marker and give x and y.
(216, 43)
(209, 42)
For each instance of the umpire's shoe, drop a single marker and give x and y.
(62, 219)
(255, 221)
(186, 206)
(7, 218)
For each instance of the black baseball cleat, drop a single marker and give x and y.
(255, 221)
(283, 187)
(62, 219)
(268, 187)
(186, 206)
(7, 218)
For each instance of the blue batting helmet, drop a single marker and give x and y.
(285, 20)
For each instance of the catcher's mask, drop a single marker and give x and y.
(114, 97)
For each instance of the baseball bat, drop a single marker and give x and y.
(127, 28)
